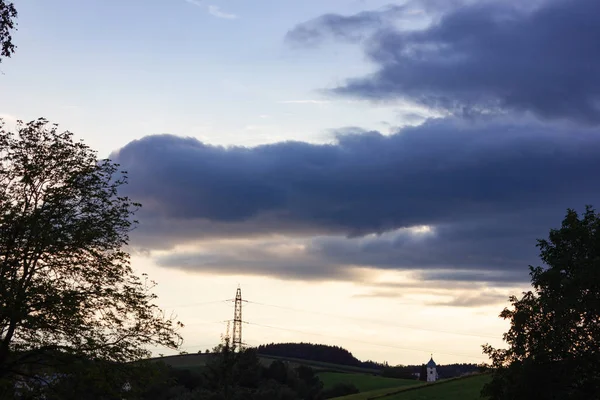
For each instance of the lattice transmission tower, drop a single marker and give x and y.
(237, 321)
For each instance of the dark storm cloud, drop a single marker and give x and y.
(496, 252)
(438, 173)
(472, 249)
(489, 188)
(488, 57)
(435, 258)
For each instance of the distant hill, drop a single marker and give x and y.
(340, 356)
(196, 362)
(316, 352)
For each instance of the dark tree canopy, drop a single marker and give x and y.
(8, 13)
(554, 339)
(423, 373)
(67, 290)
(310, 351)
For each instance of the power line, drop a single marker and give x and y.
(375, 321)
(205, 303)
(226, 301)
(365, 342)
(202, 323)
(238, 320)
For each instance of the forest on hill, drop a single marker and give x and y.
(315, 352)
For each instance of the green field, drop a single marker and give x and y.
(458, 389)
(452, 389)
(363, 382)
(379, 393)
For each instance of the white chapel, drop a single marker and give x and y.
(432, 374)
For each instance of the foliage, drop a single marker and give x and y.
(68, 294)
(458, 369)
(423, 373)
(309, 351)
(554, 338)
(309, 386)
(8, 13)
(399, 372)
(277, 371)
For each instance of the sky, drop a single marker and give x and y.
(372, 174)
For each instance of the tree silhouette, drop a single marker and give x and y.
(554, 338)
(67, 290)
(8, 13)
(310, 351)
(423, 373)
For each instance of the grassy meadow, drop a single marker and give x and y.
(456, 389)
(468, 388)
(363, 382)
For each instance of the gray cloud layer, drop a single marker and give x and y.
(481, 57)
(351, 28)
(489, 187)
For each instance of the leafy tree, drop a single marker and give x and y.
(277, 371)
(8, 13)
(67, 290)
(272, 391)
(423, 373)
(220, 368)
(310, 385)
(400, 372)
(231, 374)
(554, 339)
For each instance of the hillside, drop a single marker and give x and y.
(325, 357)
(196, 361)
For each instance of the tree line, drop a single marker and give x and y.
(314, 352)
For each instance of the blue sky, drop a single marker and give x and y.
(115, 71)
(384, 165)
